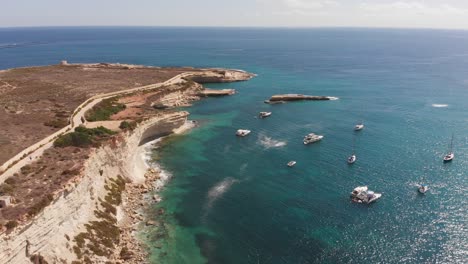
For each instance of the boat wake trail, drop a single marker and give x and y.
(439, 105)
(268, 142)
(218, 190)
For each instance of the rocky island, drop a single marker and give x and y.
(281, 98)
(73, 176)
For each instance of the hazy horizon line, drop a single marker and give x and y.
(232, 27)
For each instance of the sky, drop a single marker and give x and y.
(238, 13)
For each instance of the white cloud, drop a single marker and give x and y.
(311, 4)
(412, 8)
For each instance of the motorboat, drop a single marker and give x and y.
(264, 114)
(352, 159)
(362, 194)
(292, 163)
(423, 188)
(242, 132)
(359, 126)
(312, 138)
(450, 155)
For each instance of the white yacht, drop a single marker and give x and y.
(423, 188)
(352, 159)
(264, 114)
(450, 155)
(362, 194)
(292, 163)
(242, 132)
(359, 126)
(312, 138)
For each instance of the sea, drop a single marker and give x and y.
(233, 200)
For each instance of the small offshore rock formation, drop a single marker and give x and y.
(214, 93)
(281, 98)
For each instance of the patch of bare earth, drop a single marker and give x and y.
(37, 101)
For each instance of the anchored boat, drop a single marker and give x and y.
(291, 163)
(423, 188)
(362, 194)
(264, 114)
(359, 126)
(242, 132)
(450, 155)
(312, 138)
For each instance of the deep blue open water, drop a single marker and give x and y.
(233, 200)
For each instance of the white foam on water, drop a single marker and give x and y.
(268, 142)
(332, 98)
(218, 190)
(439, 105)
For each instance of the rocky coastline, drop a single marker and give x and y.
(106, 195)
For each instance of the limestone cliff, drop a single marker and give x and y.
(51, 233)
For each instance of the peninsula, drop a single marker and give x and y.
(73, 176)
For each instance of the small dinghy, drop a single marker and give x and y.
(362, 194)
(242, 132)
(264, 114)
(292, 163)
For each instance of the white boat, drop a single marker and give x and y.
(312, 138)
(264, 114)
(292, 163)
(352, 159)
(362, 194)
(450, 155)
(359, 126)
(423, 188)
(242, 132)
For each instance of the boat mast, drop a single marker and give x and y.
(451, 144)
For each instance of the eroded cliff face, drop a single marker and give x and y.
(51, 233)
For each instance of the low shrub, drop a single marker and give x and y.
(6, 189)
(125, 125)
(82, 137)
(11, 224)
(57, 123)
(104, 110)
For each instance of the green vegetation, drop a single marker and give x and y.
(83, 137)
(6, 189)
(11, 224)
(103, 235)
(104, 110)
(125, 125)
(37, 208)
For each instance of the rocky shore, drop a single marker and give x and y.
(94, 217)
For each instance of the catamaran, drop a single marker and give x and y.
(450, 155)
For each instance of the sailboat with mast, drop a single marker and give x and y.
(353, 158)
(450, 155)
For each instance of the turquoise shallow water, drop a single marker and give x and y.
(233, 200)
